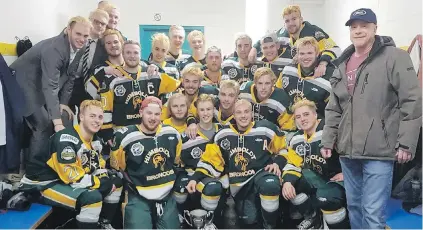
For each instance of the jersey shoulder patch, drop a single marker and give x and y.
(68, 138)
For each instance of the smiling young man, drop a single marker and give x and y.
(228, 95)
(71, 172)
(159, 48)
(296, 28)
(373, 118)
(239, 68)
(269, 102)
(311, 183)
(275, 56)
(45, 74)
(98, 85)
(197, 42)
(298, 80)
(249, 152)
(147, 154)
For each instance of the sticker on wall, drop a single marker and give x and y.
(157, 17)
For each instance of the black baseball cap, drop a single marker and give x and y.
(363, 14)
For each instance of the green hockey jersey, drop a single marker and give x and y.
(283, 59)
(148, 161)
(232, 69)
(242, 155)
(304, 152)
(191, 61)
(193, 149)
(299, 86)
(127, 94)
(176, 60)
(69, 158)
(275, 109)
(169, 69)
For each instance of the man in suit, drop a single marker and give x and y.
(46, 74)
(93, 55)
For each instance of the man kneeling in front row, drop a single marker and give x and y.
(71, 172)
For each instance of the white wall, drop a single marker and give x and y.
(400, 19)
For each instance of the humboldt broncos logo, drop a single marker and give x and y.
(159, 160)
(241, 161)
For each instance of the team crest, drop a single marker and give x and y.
(136, 101)
(300, 150)
(196, 152)
(232, 73)
(121, 130)
(319, 34)
(225, 144)
(120, 91)
(137, 149)
(241, 161)
(159, 161)
(68, 153)
(253, 68)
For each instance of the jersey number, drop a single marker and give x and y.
(71, 171)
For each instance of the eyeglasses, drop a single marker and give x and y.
(97, 22)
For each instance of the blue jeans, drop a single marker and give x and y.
(368, 185)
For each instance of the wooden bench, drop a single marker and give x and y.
(30, 219)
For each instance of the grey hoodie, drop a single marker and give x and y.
(384, 112)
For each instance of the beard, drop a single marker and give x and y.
(149, 127)
(130, 65)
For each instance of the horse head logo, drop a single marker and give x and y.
(159, 160)
(136, 101)
(241, 160)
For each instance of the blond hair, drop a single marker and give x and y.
(193, 70)
(102, 4)
(194, 34)
(304, 102)
(78, 19)
(230, 84)
(214, 49)
(174, 28)
(100, 13)
(240, 36)
(86, 103)
(173, 98)
(160, 38)
(291, 9)
(109, 7)
(131, 42)
(205, 98)
(241, 102)
(113, 32)
(307, 41)
(260, 72)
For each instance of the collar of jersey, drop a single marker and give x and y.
(157, 131)
(87, 144)
(234, 128)
(300, 73)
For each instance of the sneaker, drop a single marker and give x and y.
(105, 224)
(311, 223)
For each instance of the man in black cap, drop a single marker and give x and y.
(373, 118)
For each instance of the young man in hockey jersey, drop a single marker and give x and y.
(313, 185)
(298, 79)
(275, 56)
(127, 93)
(177, 107)
(177, 38)
(213, 72)
(239, 68)
(98, 85)
(146, 155)
(191, 88)
(228, 95)
(209, 189)
(269, 102)
(72, 173)
(249, 153)
(296, 28)
(197, 43)
(159, 48)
